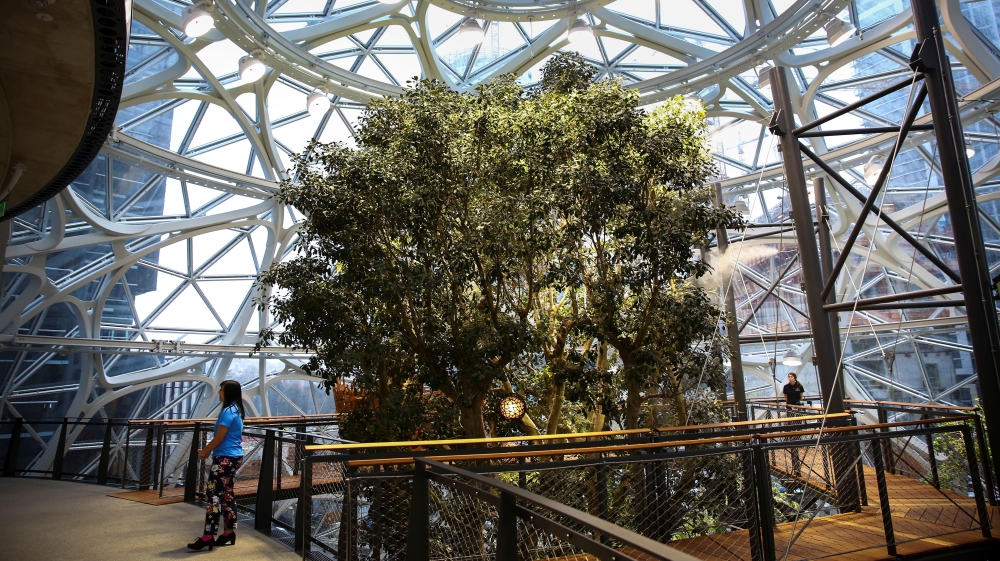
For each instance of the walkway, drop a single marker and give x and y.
(56, 520)
(926, 520)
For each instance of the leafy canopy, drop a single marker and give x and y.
(474, 243)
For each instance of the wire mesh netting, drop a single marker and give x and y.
(707, 496)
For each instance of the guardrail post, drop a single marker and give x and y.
(303, 527)
(161, 460)
(765, 516)
(507, 528)
(860, 469)
(883, 497)
(977, 490)
(265, 483)
(128, 446)
(418, 526)
(377, 517)
(883, 419)
(13, 449)
(146, 463)
(57, 462)
(991, 490)
(749, 479)
(522, 475)
(932, 458)
(102, 465)
(603, 510)
(660, 506)
(191, 473)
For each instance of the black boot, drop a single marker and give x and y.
(202, 544)
(229, 538)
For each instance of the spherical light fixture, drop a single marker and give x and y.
(969, 150)
(838, 31)
(252, 68)
(872, 169)
(511, 407)
(580, 31)
(317, 104)
(792, 358)
(470, 33)
(197, 20)
(764, 75)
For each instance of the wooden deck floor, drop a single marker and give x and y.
(924, 520)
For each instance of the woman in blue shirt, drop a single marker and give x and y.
(227, 455)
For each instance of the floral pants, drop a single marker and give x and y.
(219, 493)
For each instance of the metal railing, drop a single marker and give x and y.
(774, 494)
(757, 490)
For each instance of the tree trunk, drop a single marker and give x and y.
(555, 410)
(633, 404)
(473, 425)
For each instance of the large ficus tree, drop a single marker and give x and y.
(470, 238)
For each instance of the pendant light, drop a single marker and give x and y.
(251, 67)
(792, 358)
(741, 208)
(470, 33)
(969, 150)
(764, 75)
(197, 21)
(838, 31)
(580, 31)
(317, 104)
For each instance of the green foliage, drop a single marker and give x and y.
(952, 458)
(539, 241)
(566, 72)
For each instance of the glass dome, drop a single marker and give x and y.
(131, 294)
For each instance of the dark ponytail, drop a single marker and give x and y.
(232, 394)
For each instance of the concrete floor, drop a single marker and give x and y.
(55, 520)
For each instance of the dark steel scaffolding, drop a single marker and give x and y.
(932, 81)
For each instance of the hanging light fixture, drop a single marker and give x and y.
(511, 407)
(251, 67)
(838, 31)
(197, 21)
(317, 104)
(792, 358)
(470, 33)
(741, 208)
(764, 75)
(580, 31)
(969, 150)
(872, 169)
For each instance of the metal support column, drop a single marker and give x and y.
(826, 256)
(732, 327)
(984, 331)
(824, 344)
(824, 348)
